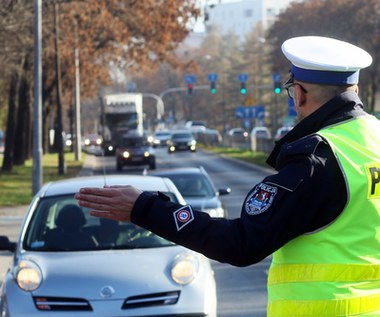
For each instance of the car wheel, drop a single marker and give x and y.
(119, 167)
(152, 165)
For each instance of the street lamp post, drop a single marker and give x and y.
(37, 115)
(78, 137)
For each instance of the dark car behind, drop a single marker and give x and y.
(135, 151)
(182, 141)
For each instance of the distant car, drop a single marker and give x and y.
(237, 136)
(135, 151)
(93, 139)
(198, 189)
(195, 126)
(93, 144)
(237, 132)
(68, 263)
(281, 132)
(182, 140)
(161, 137)
(261, 133)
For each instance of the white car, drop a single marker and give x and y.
(68, 263)
(261, 133)
(161, 137)
(281, 132)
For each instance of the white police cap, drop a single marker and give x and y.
(324, 60)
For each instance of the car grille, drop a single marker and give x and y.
(156, 299)
(44, 303)
(61, 304)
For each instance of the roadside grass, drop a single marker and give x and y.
(16, 186)
(258, 158)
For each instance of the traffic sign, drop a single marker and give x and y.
(243, 77)
(190, 79)
(212, 77)
(252, 112)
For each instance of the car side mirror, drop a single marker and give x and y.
(6, 245)
(224, 191)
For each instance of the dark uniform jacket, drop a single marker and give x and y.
(306, 194)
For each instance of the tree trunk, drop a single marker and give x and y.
(11, 123)
(22, 136)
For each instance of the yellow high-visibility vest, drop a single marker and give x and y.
(336, 270)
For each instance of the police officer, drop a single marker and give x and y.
(319, 215)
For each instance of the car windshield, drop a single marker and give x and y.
(162, 134)
(134, 142)
(59, 224)
(193, 185)
(181, 136)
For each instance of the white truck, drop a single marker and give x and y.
(121, 114)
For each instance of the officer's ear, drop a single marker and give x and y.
(300, 95)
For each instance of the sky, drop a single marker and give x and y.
(199, 26)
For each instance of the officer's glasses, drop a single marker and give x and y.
(289, 86)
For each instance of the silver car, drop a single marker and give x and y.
(197, 189)
(68, 263)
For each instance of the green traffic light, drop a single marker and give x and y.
(277, 90)
(213, 90)
(243, 91)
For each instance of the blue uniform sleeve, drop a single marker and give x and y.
(307, 193)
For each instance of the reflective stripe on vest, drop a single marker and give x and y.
(326, 308)
(293, 273)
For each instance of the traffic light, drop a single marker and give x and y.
(190, 87)
(277, 87)
(213, 87)
(243, 89)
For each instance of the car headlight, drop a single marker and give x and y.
(146, 154)
(110, 148)
(28, 276)
(184, 269)
(125, 154)
(98, 141)
(215, 212)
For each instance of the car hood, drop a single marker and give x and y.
(202, 202)
(128, 272)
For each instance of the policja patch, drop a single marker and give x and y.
(260, 199)
(183, 216)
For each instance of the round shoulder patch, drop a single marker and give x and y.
(260, 199)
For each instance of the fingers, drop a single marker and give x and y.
(101, 214)
(115, 202)
(106, 191)
(96, 198)
(96, 202)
